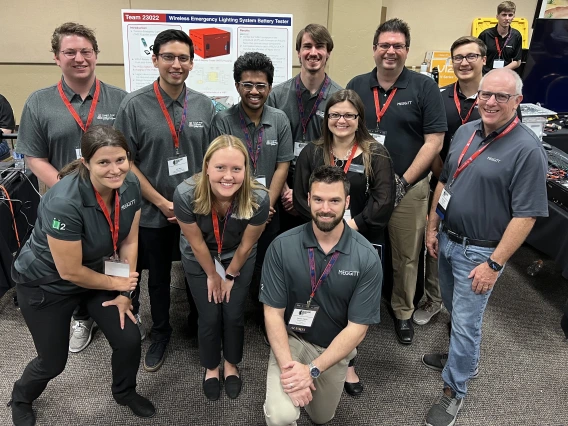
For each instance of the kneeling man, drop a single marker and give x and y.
(321, 289)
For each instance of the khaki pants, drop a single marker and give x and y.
(406, 233)
(279, 410)
(432, 285)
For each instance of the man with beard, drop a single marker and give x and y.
(314, 330)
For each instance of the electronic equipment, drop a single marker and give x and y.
(210, 42)
(557, 177)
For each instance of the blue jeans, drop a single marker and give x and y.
(455, 262)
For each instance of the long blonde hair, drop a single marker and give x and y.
(245, 203)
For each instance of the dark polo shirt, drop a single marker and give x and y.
(351, 292)
(47, 128)
(69, 211)
(511, 52)
(416, 110)
(507, 180)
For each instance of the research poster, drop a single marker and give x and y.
(219, 39)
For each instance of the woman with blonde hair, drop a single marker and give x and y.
(222, 212)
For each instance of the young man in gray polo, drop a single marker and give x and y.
(167, 126)
(266, 133)
(314, 329)
(55, 118)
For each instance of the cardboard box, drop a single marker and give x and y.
(210, 42)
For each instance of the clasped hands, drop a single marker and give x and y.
(218, 289)
(297, 383)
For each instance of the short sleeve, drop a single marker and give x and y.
(434, 113)
(31, 139)
(304, 168)
(125, 122)
(365, 304)
(217, 128)
(6, 114)
(261, 214)
(62, 220)
(517, 53)
(285, 142)
(183, 203)
(272, 286)
(528, 186)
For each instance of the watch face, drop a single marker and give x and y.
(315, 372)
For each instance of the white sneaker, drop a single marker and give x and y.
(140, 326)
(425, 312)
(82, 334)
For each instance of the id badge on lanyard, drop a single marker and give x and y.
(298, 146)
(302, 317)
(177, 165)
(443, 202)
(498, 63)
(78, 154)
(261, 179)
(379, 135)
(116, 267)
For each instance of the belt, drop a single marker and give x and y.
(457, 238)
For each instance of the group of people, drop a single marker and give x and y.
(303, 182)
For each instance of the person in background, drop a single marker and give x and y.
(7, 125)
(166, 125)
(347, 144)
(83, 248)
(55, 118)
(222, 212)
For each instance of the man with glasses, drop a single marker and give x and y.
(55, 118)
(481, 213)
(167, 126)
(504, 43)
(266, 133)
(405, 112)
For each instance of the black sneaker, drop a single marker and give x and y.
(22, 414)
(140, 406)
(438, 362)
(444, 411)
(155, 356)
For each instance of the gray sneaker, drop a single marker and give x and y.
(425, 312)
(82, 334)
(444, 411)
(438, 362)
(140, 326)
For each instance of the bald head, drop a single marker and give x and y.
(500, 93)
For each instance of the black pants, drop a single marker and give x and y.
(220, 322)
(157, 248)
(47, 316)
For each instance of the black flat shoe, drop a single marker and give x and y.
(233, 386)
(353, 389)
(404, 331)
(211, 388)
(22, 414)
(140, 406)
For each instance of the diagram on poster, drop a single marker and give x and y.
(219, 38)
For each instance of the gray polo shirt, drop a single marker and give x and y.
(507, 180)
(351, 292)
(69, 211)
(47, 128)
(141, 120)
(277, 145)
(234, 228)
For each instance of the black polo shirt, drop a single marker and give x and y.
(69, 211)
(415, 110)
(351, 292)
(511, 52)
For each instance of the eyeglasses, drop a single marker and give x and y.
(248, 86)
(335, 116)
(71, 53)
(472, 57)
(169, 58)
(499, 97)
(387, 46)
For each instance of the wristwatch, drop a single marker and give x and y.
(130, 294)
(494, 265)
(405, 183)
(231, 276)
(314, 371)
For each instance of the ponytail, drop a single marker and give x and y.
(75, 166)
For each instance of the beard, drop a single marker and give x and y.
(327, 226)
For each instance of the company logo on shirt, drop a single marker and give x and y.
(495, 160)
(106, 117)
(348, 273)
(57, 224)
(125, 206)
(404, 103)
(320, 113)
(195, 124)
(272, 142)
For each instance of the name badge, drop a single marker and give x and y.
(298, 146)
(116, 267)
(78, 153)
(443, 203)
(177, 165)
(302, 317)
(220, 269)
(347, 215)
(379, 135)
(261, 179)
(356, 168)
(498, 63)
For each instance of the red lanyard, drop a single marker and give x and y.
(378, 110)
(303, 119)
(91, 115)
(499, 50)
(325, 273)
(218, 237)
(458, 106)
(351, 155)
(477, 153)
(113, 229)
(175, 135)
